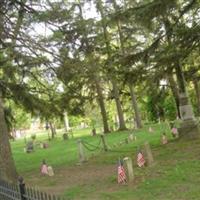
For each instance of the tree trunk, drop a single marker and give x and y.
(197, 90)
(98, 87)
(121, 39)
(53, 131)
(186, 110)
(135, 107)
(180, 78)
(7, 167)
(122, 125)
(66, 122)
(102, 107)
(175, 92)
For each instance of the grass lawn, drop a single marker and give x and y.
(175, 175)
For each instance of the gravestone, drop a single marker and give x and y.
(65, 136)
(45, 145)
(129, 168)
(189, 127)
(29, 147)
(148, 154)
(130, 137)
(50, 171)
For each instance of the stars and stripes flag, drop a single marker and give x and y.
(121, 173)
(140, 159)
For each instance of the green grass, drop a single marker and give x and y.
(175, 175)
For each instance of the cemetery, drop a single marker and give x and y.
(99, 100)
(93, 175)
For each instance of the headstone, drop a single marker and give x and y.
(129, 168)
(29, 147)
(148, 154)
(65, 136)
(150, 130)
(50, 171)
(45, 145)
(130, 137)
(164, 139)
(189, 127)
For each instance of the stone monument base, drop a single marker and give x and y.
(189, 129)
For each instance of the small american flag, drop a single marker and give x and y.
(121, 173)
(140, 159)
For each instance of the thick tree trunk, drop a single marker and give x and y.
(135, 107)
(133, 98)
(122, 125)
(102, 107)
(98, 87)
(175, 92)
(180, 78)
(7, 167)
(197, 91)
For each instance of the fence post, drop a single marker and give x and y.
(82, 157)
(104, 142)
(129, 168)
(22, 188)
(148, 154)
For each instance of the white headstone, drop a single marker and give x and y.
(50, 171)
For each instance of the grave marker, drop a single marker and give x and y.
(129, 168)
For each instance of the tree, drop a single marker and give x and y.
(21, 63)
(171, 46)
(116, 94)
(130, 79)
(79, 67)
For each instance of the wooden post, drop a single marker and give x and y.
(129, 168)
(82, 157)
(22, 188)
(104, 142)
(148, 154)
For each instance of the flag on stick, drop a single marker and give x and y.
(121, 173)
(140, 159)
